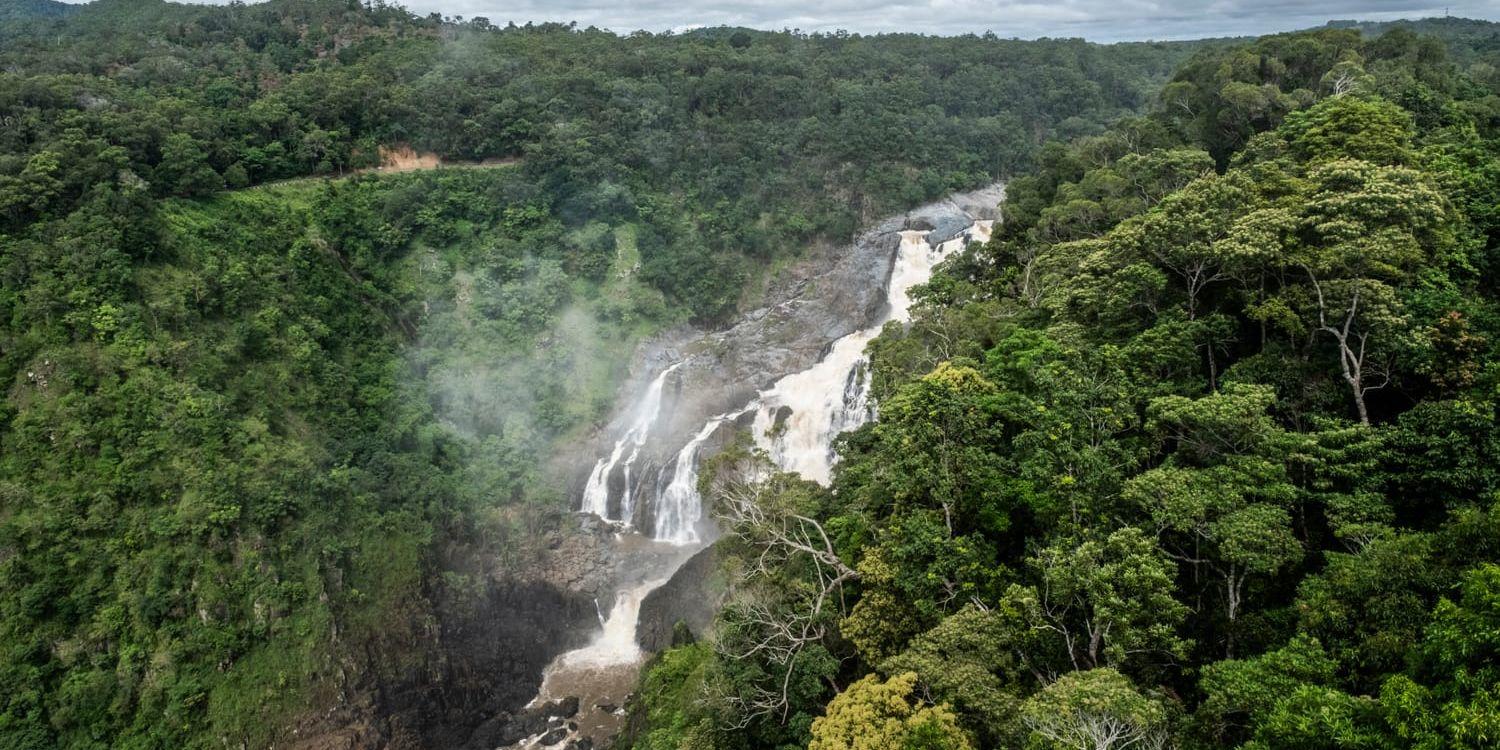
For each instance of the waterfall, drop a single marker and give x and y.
(796, 419)
(616, 643)
(596, 492)
(679, 508)
(833, 395)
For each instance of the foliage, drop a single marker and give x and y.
(252, 442)
(1097, 709)
(1196, 451)
(668, 690)
(879, 715)
(1213, 414)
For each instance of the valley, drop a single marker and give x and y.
(385, 380)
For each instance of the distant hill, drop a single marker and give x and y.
(21, 10)
(1467, 38)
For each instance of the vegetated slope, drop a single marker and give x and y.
(767, 140)
(251, 439)
(1199, 451)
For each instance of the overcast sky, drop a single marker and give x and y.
(1100, 20)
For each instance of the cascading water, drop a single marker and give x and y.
(795, 420)
(601, 674)
(833, 396)
(616, 643)
(596, 493)
(679, 508)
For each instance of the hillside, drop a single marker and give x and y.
(1202, 441)
(1467, 38)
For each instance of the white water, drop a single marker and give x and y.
(601, 674)
(616, 643)
(596, 493)
(834, 395)
(679, 508)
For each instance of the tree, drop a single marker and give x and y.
(1074, 410)
(1095, 710)
(1109, 601)
(1460, 707)
(1161, 172)
(1220, 501)
(974, 661)
(1347, 77)
(32, 191)
(882, 715)
(1351, 127)
(1241, 692)
(1369, 606)
(936, 439)
(1367, 230)
(882, 620)
(1184, 233)
(184, 168)
(1318, 718)
(796, 579)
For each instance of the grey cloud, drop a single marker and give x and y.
(1101, 20)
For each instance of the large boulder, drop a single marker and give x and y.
(691, 599)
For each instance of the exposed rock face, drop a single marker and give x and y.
(580, 558)
(548, 721)
(692, 597)
(983, 203)
(465, 677)
(489, 661)
(494, 656)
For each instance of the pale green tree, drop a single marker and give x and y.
(875, 714)
(1098, 709)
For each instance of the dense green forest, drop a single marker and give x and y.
(259, 405)
(1199, 451)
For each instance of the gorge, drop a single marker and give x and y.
(645, 480)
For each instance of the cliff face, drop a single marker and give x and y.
(491, 656)
(490, 660)
(469, 666)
